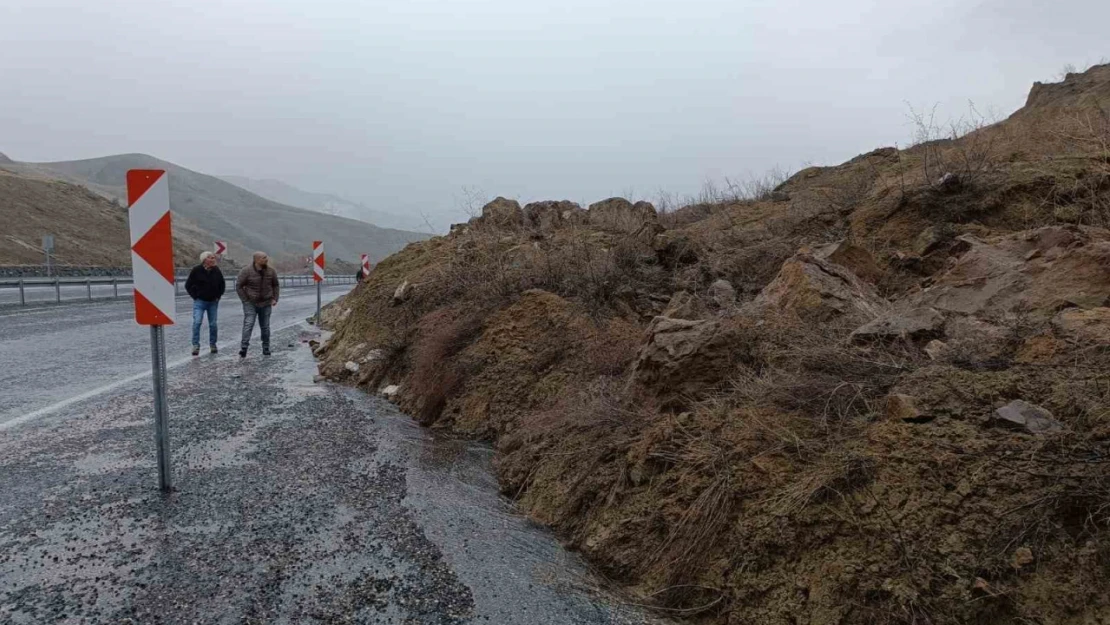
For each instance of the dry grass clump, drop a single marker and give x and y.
(434, 374)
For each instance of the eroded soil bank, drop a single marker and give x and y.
(873, 393)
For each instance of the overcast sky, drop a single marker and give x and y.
(403, 103)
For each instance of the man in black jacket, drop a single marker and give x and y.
(206, 286)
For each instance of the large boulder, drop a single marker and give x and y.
(683, 357)
(814, 289)
(1037, 272)
(502, 213)
(549, 215)
(852, 257)
(619, 215)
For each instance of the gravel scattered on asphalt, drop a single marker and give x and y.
(295, 502)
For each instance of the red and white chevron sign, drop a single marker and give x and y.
(148, 199)
(365, 265)
(318, 261)
(221, 248)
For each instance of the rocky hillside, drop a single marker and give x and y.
(88, 229)
(223, 211)
(876, 393)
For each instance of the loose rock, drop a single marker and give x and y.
(916, 324)
(817, 290)
(620, 215)
(903, 408)
(402, 293)
(1029, 417)
(723, 294)
(502, 213)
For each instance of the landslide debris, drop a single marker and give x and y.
(874, 393)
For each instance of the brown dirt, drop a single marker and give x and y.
(753, 462)
(87, 229)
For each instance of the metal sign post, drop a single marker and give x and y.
(154, 284)
(161, 407)
(318, 273)
(48, 247)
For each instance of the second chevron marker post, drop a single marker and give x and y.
(148, 214)
(318, 273)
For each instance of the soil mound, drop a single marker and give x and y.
(871, 393)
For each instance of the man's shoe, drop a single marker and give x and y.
(243, 353)
(265, 351)
(214, 349)
(196, 350)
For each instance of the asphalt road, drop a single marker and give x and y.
(294, 502)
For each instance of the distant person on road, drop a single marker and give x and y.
(206, 286)
(258, 287)
(358, 276)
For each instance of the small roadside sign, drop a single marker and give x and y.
(318, 273)
(152, 268)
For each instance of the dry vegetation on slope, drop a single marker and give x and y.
(874, 393)
(88, 229)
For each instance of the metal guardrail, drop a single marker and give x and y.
(58, 284)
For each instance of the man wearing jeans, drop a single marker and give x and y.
(258, 287)
(206, 286)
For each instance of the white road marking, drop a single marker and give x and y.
(65, 403)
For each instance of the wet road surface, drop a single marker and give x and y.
(294, 502)
(51, 355)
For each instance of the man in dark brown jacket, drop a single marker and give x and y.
(258, 287)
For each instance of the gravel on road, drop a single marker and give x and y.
(294, 502)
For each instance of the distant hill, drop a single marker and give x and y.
(88, 229)
(284, 193)
(230, 213)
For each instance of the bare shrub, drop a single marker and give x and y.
(1085, 197)
(962, 146)
(815, 371)
(443, 334)
(471, 200)
(756, 188)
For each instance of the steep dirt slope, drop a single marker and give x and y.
(226, 212)
(88, 229)
(877, 393)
